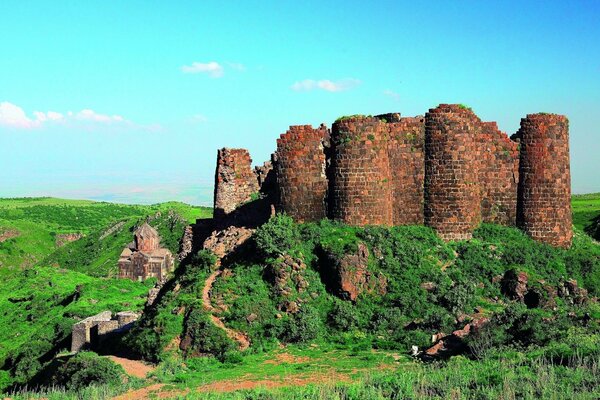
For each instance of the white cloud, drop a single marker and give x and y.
(392, 94)
(91, 115)
(213, 69)
(13, 116)
(325, 84)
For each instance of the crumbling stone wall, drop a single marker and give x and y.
(300, 174)
(406, 140)
(360, 189)
(544, 196)
(235, 181)
(452, 197)
(90, 332)
(498, 169)
(448, 170)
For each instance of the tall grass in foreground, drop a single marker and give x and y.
(519, 378)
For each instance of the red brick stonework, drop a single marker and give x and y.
(360, 182)
(300, 171)
(544, 200)
(452, 199)
(447, 170)
(235, 181)
(406, 140)
(498, 169)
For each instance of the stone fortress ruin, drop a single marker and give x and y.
(447, 170)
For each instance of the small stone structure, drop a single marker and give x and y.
(448, 170)
(144, 258)
(90, 332)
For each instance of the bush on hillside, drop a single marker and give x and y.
(85, 369)
(278, 236)
(304, 326)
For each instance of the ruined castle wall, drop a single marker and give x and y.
(406, 141)
(544, 198)
(498, 171)
(360, 177)
(300, 172)
(235, 181)
(452, 196)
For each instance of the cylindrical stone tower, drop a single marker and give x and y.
(300, 169)
(452, 198)
(360, 179)
(544, 197)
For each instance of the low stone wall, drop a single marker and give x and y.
(89, 332)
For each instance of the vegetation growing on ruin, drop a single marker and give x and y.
(360, 349)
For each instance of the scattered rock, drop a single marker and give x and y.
(62, 239)
(514, 284)
(228, 240)
(351, 277)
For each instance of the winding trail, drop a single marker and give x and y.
(239, 337)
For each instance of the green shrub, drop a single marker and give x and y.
(85, 369)
(278, 236)
(304, 326)
(205, 337)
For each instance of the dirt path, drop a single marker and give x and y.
(239, 337)
(133, 367)
(139, 394)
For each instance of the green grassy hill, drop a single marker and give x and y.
(35, 222)
(548, 348)
(46, 289)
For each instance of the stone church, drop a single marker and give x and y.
(144, 258)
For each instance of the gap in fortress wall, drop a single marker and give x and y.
(448, 170)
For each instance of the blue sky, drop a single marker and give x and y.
(130, 100)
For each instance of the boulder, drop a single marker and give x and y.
(514, 285)
(349, 275)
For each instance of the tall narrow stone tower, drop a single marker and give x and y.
(452, 190)
(544, 195)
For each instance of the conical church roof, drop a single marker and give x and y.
(146, 231)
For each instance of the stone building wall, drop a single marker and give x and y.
(235, 181)
(498, 170)
(447, 170)
(452, 196)
(360, 187)
(300, 171)
(406, 140)
(544, 198)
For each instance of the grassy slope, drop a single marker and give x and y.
(585, 208)
(39, 219)
(37, 307)
(347, 358)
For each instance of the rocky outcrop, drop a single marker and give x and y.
(287, 278)
(348, 276)
(448, 345)
(514, 285)
(62, 239)
(6, 234)
(572, 293)
(226, 241)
